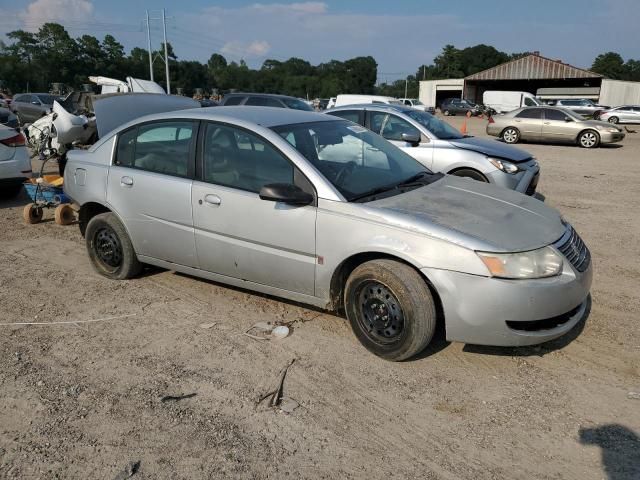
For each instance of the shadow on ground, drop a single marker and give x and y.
(620, 448)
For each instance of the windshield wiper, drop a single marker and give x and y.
(411, 181)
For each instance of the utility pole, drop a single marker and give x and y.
(166, 56)
(149, 47)
(406, 85)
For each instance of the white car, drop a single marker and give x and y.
(415, 104)
(622, 114)
(15, 165)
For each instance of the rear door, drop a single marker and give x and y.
(149, 187)
(529, 123)
(238, 234)
(558, 126)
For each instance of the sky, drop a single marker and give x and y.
(399, 34)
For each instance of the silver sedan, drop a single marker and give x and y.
(323, 211)
(553, 125)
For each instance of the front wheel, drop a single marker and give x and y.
(589, 139)
(511, 135)
(110, 249)
(613, 120)
(390, 309)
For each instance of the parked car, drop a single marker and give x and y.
(313, 208)
(503, 101)
(622, 114)
(342, 100)
(442, 148)
(458, 106)
(205, 102)
(8, 118)
(417, 105)
(15, 164)
(29, 107)
(554, 125)
(582, 106)
(323, 103)
(265, 100)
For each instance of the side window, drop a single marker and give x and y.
(161, 147)
(236, 158)
(233, 100)
(533, 113)
(407, 102)
(264, 102)
(351, 115)
(390, 126)
(555, 115)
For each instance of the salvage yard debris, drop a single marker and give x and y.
(275, 395)
(267, 331)
(70, 322)
(176, 398)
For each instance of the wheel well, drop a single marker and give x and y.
(87, 212)
(453, 172)
(339, 279)
(509, 126)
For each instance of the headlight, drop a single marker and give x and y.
(503, 165)
(544, 262)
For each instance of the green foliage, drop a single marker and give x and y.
(612, 65)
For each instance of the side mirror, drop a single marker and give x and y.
(567, 119)
(412, 138)
(285, 193)
(35, 102)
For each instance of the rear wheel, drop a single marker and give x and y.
(470, 173)
(589, 139)
(390, 309)
(613, 120)
(110, 249)
(511, 135)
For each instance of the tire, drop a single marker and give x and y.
(589, 139)
(511, 135)
(446, 113)
(470, 173)
(613, 120)
(64, 214)
(380, 287)
(110, 249)
(32, 214)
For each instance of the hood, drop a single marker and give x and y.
(595, 123)
(475, 215)
(492, 148)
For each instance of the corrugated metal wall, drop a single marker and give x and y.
(533, 67)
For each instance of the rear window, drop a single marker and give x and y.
(297, 104)
(233, 100)
(48, 99)
(263, 102)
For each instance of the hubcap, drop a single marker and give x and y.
(108, 248)
(510, 136)
(380, 315)
(613, 120)
(589, 139)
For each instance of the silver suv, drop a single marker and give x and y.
(319, 210)
(442, 148)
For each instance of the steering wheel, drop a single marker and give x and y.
(344, 172)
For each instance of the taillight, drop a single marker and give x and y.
(491, 120)
(16, 141)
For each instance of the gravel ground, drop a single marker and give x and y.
(85, 400)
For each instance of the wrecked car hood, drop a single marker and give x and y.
(500, 220)
(492, 148)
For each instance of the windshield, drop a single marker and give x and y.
(355, 160)
(441, 130)
(297, 104)
(415, 101)
(46, 99)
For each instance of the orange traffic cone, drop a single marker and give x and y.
(463, 129)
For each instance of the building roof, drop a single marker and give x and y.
(533, 67)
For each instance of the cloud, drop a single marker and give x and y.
(254, 49)
(61, 11)
(306, 8)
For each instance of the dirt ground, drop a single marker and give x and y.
(83, 400)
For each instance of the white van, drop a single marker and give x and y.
(342, 100)
(505, 101)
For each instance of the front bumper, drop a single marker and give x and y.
(525, 181)
(477, 309)
(606, 137)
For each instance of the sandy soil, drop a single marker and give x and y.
(83, 400)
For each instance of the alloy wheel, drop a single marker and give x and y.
(588, 139)
(510, 135)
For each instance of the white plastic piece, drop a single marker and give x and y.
(280, 332)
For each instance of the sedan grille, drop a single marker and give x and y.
(574, 249)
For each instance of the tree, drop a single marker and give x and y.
(611, 65)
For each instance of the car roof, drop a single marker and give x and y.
(246, 94)
(375, 106)
(265, 116)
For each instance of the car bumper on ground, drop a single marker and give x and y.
(492, 311)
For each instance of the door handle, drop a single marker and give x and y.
(547, 123)
(126, 182)
(213, 200)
